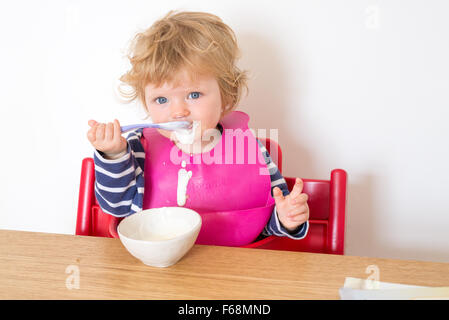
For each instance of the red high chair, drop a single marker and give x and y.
(327, 199)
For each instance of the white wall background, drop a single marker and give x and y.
(360, 85)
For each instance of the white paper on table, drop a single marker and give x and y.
(360, 289)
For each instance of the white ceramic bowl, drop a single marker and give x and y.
(160, 237)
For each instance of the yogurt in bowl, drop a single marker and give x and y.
(160, 237)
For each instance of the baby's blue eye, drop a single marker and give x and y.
(194, 95)
(161, 100)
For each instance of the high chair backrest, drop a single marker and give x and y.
(326, 203)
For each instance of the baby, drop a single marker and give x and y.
(184, 69)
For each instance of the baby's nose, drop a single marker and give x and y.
(179, 110)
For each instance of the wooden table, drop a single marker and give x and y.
(44, 266)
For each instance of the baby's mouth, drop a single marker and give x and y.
(187, 136)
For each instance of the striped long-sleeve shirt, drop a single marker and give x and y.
(119, 185)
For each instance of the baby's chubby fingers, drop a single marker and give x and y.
(118, 138)
(296, 196)
(298, 210)
(107, 138)
(278, 196)
(297, 188)
(300, 214)
(92, 133)
(300, 218)
(109, 131)
(299, 200)
(117, 129)
(100, 131)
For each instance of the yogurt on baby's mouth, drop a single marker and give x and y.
(187, 136)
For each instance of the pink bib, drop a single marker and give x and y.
(229, 185)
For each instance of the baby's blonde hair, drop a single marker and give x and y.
(197, 41)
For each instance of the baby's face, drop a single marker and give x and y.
(198, 100)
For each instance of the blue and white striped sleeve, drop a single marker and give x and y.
(119, 183)
(274, 226)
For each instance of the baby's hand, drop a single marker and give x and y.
(107, 138)
(292, 209)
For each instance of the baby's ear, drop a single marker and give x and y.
(225, 110)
